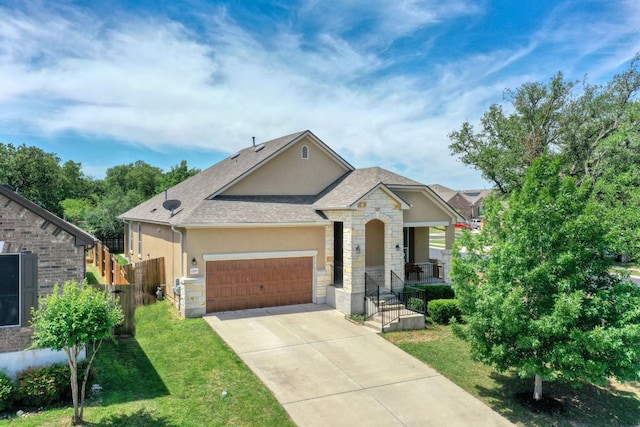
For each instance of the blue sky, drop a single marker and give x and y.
(381, 82)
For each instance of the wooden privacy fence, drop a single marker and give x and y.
(135, 285)
(125, 294)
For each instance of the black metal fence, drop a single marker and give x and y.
(423, 272)
(371, 296)
(115, 244)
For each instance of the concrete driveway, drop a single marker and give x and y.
(326, 371)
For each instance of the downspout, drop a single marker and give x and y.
(177, 282)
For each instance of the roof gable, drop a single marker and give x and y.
(82, 238)
(289, 171)
(347, 191)
(219, 178)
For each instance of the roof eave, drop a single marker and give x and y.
(82, 238)
(254, 224)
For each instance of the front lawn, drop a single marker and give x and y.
(172, 373)
(588, 405)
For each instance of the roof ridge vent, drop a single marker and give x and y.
(259, 147)
(235, 155)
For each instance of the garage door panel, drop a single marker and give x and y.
(244, 284)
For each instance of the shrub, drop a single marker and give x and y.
(439, 292)
(36, 387)
(7, 391)
(416, 304)
(441, 310)
(40, 386)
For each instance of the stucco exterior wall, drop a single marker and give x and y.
(421, 244)
(423, 208)
(289, 174)
(59, 259)
(200, 241)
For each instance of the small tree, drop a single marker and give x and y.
(73, 320)
(537, 288)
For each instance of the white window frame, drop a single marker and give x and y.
(131, 238)
(140, 240)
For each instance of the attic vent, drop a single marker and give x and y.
(235, 156)
(258, 148)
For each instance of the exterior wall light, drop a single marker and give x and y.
(397, 246)
(194, 261)
(357, 248)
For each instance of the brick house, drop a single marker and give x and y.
(468, 203)
(287, 221)
(37, 250)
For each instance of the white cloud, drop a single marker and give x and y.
(152, 81)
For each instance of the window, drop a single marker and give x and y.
(139, 240)
(408, 234)
(304, 152)
(131, 238)
(18, 288)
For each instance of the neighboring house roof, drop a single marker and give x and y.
(204, 202)
(474, 196)
(471, 196)
(82, 238)
(445, 193)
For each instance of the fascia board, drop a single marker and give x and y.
(254, 225)
(294, 141)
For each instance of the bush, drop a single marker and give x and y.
(7, 391)
(442, 310)
(439, 292)
(416, 304)
(432, 292)
(40, 386)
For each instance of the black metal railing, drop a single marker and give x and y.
(413, 299)
(371, 296)
(392, 309)
(416, 273)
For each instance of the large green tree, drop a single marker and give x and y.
(76, 319)
(33, 173)
(537, 288)
(593, 129)
(565, 117)
(177, 174)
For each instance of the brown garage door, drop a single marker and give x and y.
(255, 283)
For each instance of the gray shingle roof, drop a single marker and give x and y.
(256, 209)
(203, 204)
(445, 193)
(196, 190)
(357, 184)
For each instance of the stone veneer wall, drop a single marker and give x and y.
(59, 259)
(378, 205)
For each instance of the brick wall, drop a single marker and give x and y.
(59, 259)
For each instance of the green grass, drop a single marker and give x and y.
(586, 405)
(93, 276)
(171, 374)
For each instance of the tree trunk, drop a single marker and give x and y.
(72, 355)
(537, 388)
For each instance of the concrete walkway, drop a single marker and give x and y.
(326, 371)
